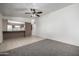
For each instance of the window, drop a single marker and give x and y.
(16, 27)
(9, 27)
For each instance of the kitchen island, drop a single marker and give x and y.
(13, 34)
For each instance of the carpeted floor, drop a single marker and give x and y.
(45, 47)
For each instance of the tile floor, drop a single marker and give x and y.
(18, 42)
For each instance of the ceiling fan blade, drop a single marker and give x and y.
(38, 15)
(27, 13)
(39, 12)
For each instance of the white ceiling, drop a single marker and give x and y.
(19, 9)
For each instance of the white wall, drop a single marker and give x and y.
(61, 25)
(33, 22)
(4, 24)
(19, 19)
(1, 35)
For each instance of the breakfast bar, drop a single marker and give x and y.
(13, 34)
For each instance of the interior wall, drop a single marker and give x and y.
(4, 24)
(19, 19)
(1, 35)
(61, 25)
(33, 22)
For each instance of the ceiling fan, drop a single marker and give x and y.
(34, 13)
